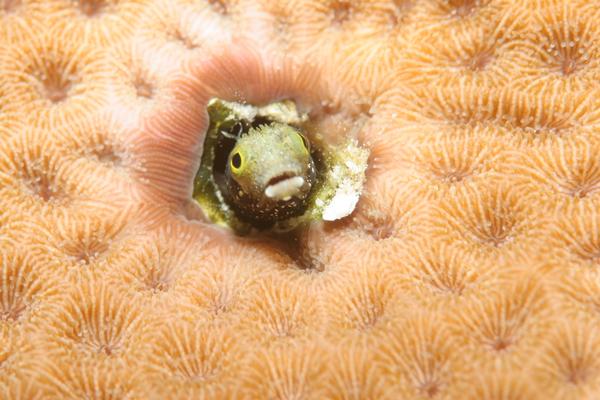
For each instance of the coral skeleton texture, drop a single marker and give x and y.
(469, 270)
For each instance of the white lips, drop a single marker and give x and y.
(285, 189)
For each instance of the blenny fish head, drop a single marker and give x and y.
(272, 162)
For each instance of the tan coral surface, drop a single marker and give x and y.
(470, 269)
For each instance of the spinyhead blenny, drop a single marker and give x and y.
(269, 174)
(267, 169)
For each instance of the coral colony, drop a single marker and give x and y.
(433, 231)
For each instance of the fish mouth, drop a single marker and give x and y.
(284, 187)
(279, 178)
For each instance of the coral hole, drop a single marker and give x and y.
(588, 251)
(87, 250)
(40, 184)
(580, 192)
(56, 75)
(500, 344)
(568, 66)
(13, 310)
(281, 310)
(578, 369)
(92, 8)
(190, 353)
(577, 376)
(379, 227)
(340, 11)
(41, 188)
(143, 88)
(152, 270)
(464, 8)
(369, 317)
(99, 321)
(452, 175)
(454, 159)
(220, 301)
(480, 60)
(442, 278)
(570, 40)
(19, 286)
(496, 230)
(577, 233)
(583, 182)
(447, 271)
(398, 10)
(184, 39)
(365, 307)
(107, 154)
(85, 256)
(430, 389)
(56, 82)
(572, 353)
(376, 224)
(105, 149)
(493, 219)
(215, 292)
(219, 6)
(157, 279)
(282, 27)
(96, 344)
(568, 57)
(9, 6)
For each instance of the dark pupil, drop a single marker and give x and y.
(236, 160)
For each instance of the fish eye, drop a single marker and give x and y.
(236, 162)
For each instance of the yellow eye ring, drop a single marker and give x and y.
(304, 142)
(236, 162)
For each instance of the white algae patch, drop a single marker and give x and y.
(344, 181)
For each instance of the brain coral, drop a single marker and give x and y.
(469, 270)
